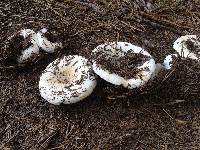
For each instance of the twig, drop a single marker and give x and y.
(12, 67)
(168, 75)
(44, 142)
(175, 102)
(168, 114)
(163, 21)
(47, 141)
(142, 17)
(132, 27)
(93, 6)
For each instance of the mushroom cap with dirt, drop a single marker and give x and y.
(29, 48)
(67, 80)
(122, 63)
(42, 40)
(47, 41)
(188, 46)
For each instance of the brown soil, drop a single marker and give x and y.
(163, 115)
(126, 66)
(193, 47)
(53, 36)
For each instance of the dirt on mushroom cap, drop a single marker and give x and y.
(125, 66)
(113, 117)
(190, 44)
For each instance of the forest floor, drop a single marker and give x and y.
(164, 115)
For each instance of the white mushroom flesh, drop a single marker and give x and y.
(26, 32)
(33, 50)
(168, 61)
(181, 46)
(67, 80)
(117, 50)
(28, 53)
(45, 44)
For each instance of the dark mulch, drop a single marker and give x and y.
(126, 66)
(163, 115)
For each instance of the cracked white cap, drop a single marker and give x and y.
(117, 50)
(33, 50)
(67, 80)
(184, 50)
(45, 44)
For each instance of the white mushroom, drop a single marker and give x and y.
(188, 46)
(165, 65)
(29, 43)
(67, 80)
(111, 53)
(26, 32)
(28, 53)
(45, 43)
(169, 60)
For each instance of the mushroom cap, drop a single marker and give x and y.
(186, 46)
(29, 43)
(118, 50)
(67, 80)
(45, 44)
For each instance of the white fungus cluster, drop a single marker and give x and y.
(71, 79)
(38, 41)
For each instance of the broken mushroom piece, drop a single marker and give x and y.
(48, 41)
(27, 39)
(168, 61)
(67, 80)
(31, 52)
(188, 46)
(122, 63)
(27, 32)
(167, 64)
